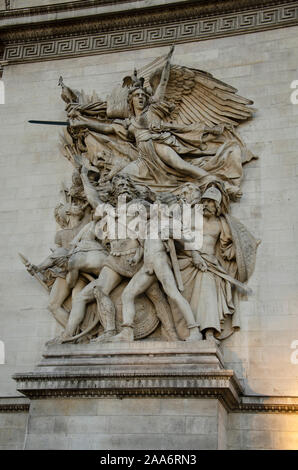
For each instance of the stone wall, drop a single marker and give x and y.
(13, 427)
(262, 67)
(132, 423)
(262, 431)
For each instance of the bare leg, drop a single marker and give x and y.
(107, 281)
(163, 310)
(72, 277)
(59, 293)
(169, 156)
(107, 314)
(139, 283)
(84, 261)
(166, 277)
(78, 309)
(77, 288)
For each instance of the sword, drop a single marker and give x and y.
(51, 123)
(242, 287)
(175, 264)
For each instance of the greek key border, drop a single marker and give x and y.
(192, 30)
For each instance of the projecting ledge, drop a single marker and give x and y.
(145, 369)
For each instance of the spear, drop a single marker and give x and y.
(51, 123)
(32, 272)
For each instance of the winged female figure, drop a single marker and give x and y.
(180, 122)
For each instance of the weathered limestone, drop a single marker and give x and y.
(34, 3)
(130, 423)
(263, 431)
(129, 151)
(261, 66)
(13, 423)
(261, 319)
(165, 391)
(12, 430)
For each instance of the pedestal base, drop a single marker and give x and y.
(174, 395)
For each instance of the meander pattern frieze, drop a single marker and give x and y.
(150, 36)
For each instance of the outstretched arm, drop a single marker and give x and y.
(90, 124)
(161, 89)
(45, 264)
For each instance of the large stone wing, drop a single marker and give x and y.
(199, 97)
(246, 248)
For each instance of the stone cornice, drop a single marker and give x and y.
(14, 408)
(267, 404)
(67, 6)
(143, 369)
(84, 5)
(263, 408)
(206, 384)
(14, 405)
(221, 385)
(139, 28)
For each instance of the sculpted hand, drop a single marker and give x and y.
(74, 113)
(31, 268)
(132, 261)
(136, 258)
(76, 124)
(198, 261)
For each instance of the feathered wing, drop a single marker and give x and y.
(199, 97)
(245, 247)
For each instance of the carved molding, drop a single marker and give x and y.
(59, 7)
(14, 408)
(14, 405)
(139, 30)
(204, 6)
(211, 384)
(262, 408)
(221, 385)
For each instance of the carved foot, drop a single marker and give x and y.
(58, 340)
(125, 335)
(194, 335)
(209, 336)
(105, 337)
(171, 335)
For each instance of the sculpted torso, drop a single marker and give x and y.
(211, 232)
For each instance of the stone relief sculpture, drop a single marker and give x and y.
(164, 138)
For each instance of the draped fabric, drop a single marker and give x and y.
(213, 299)
(221, 156)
